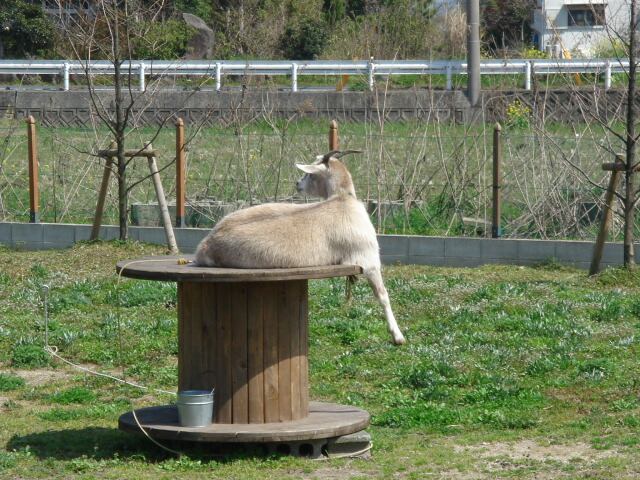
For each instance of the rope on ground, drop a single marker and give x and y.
(52, 350)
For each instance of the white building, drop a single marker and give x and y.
(580, 27)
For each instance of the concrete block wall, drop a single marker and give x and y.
(473, 252)
(394, 249)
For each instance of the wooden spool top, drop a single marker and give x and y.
(167, 268)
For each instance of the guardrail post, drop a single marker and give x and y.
(496, 227)
(34, 215)
(527, 75)
(333, 135)
(607, 75)
(294, 77)
(218, 76)
(180, 211)
(141, 74)
(65, 76)
(371, 75)
(449, 77)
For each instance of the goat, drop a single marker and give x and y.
(331, 232)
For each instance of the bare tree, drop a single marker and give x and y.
(116, 31)
(614, 112)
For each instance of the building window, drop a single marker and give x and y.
(586, 15)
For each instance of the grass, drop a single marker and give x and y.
(509, 372)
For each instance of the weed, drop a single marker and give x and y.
(7, 460)
(74, 395)
(518, 115)
(10, 382)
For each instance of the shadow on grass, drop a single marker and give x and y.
(108, 444)
(96, 443)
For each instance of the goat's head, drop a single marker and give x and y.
(326, 176)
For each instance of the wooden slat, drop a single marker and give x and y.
(198, 360)
(209, 330)
(144, 152)
(284, 349)
(224, 390)
(186, 361)
(255, 353)
(304, 348)
(271, 367)
(239, 378)
(294, 314)
(182, 343)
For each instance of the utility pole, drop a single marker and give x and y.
(473, 51)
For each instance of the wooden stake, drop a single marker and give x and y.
(180, 210)
(102, 196)
(606, 213)
(34, 215)
(162, 203)
(333, 135)
(496, 228)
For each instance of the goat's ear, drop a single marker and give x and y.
(313, 168)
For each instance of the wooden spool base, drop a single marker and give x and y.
(325, 420)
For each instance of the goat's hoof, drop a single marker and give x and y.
(399, 340)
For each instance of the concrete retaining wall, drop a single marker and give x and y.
(438, 251)
(76, 108)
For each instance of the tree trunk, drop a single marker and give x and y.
(123, 204)
(629, 203)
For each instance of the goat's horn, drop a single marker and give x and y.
(342, 153)
(325, 158)
(338, 154)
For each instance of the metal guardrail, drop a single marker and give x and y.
(370, 69)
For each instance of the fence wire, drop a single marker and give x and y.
(422, 183)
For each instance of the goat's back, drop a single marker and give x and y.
(336, 231)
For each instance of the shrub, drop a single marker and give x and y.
(164, 41)
(26, 28)
(30, 356)
(305, 40)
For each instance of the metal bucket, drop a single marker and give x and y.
(195, 408)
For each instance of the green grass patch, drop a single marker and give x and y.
(497, 357)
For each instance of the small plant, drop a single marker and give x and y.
(518, 115)
(29, 356)
(10, 382)
(7, 460)
(78, 395)
(533, 52)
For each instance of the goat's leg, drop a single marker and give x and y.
(374, 278)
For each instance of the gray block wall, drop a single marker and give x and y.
(394, 249)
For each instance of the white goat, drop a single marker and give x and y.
(332, 232)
